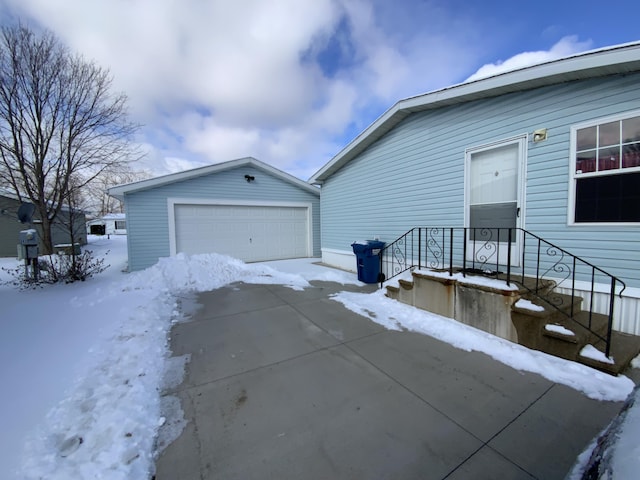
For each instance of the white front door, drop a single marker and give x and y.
(494, 203)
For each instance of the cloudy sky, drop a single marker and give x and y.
(291, 82)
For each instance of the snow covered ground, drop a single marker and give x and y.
(81, 365)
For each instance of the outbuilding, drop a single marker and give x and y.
(243, 208)
(109, 224)
(10, 226)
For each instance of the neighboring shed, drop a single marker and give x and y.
(110, 224)
(10, 226)
(243, 208)
(552, 148)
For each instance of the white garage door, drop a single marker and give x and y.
(250, 233)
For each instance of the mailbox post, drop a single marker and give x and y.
(28, 249)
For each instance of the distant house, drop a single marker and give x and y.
(10, 226)
(110, 224)
(243, 208)
(553, 149)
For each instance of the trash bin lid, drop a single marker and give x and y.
(360, 246)
(375, 243)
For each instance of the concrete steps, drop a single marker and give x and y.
(499, 312)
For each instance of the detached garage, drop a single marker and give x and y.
(243, 208)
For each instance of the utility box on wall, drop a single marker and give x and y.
(28, 246)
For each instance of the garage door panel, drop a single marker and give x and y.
(250, 233)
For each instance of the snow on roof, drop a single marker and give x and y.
(617, 59)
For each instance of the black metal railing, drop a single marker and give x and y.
(514, 255)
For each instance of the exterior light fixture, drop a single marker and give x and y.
(540, 135)
(249, 178)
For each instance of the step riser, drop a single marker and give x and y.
(451, 299)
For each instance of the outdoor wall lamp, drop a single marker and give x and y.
(249, 178)
(540, 135)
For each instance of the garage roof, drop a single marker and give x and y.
(121, 190)
(619, 59)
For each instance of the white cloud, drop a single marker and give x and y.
(216, 80)
(565, 47)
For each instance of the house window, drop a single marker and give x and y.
(121, 224)
(607, 171)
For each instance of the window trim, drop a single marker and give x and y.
(571, 204)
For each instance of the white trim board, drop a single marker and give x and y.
(343, 259)
(119, 191)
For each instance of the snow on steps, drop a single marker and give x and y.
(536, 323)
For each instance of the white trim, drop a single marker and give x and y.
(631, 292)
(522, 141)
(609, 118)
(120, 190)
(626, 315)
(343, 259)
(571, 200)
(171, 214)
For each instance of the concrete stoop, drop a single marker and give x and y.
(494, 310)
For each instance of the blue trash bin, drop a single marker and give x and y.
(368, 260)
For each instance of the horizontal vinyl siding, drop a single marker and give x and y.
(147, 215)
(414, 175)
(612, 248)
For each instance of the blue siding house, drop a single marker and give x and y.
(552, 149)
(243, 208)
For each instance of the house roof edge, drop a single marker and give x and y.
(617, 59)
(120, 191)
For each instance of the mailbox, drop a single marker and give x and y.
(29, 237)
(28, 247)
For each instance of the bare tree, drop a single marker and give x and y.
(95, 194)
(60, 124)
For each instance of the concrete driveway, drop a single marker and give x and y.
(286, 384)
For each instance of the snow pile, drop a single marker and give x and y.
(589, 351)
(525, 304)
(109, 422)
(626, 453)
(113, 421)
(184, 273)
(470, 279)
(559, 329)
(396, 316)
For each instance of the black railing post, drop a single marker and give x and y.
(473, 253)
(405, 249)
(464, 252)
(444, 258)
(497, 252)
(420, 247)
(610, 323)
(573, 285)
(413, 243)
(593, 280)
(538, 267)
(509, 258)
(426, 247)
(451, 252)
(524, 253)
